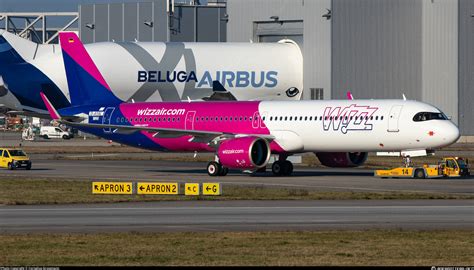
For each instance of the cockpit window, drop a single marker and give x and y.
(425, 116)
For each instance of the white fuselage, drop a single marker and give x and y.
(355, 125)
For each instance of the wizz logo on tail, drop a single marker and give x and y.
(348, 118)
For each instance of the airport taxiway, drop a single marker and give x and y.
(239, 216)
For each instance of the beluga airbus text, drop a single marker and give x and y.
(244, 134)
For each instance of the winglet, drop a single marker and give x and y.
(52, 111)
(349, 95)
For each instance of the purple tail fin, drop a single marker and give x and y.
(86, 83)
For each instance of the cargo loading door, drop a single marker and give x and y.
(393, 118)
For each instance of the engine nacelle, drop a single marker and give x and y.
(342, 159)
(244, 153)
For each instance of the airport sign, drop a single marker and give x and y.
(158, 188)
(112, 188)
(213, 189)
(192, 189)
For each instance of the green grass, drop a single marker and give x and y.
(373, 247)
(24, 191)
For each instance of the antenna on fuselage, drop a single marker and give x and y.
(404, 97)
(189, 100)
(133, 101)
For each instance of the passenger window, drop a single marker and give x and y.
(263, 118)
(320, 118)
(286, 118)
(381, 117)
(371, 118)
(310, 118)
(306, 118)
(291, 118)
(377, 117)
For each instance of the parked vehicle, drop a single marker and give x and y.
(14, 158)
(447, 167)
(48, 132)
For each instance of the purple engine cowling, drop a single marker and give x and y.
(244, 153)
(342, 159)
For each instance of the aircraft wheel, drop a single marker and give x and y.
(224, 171)
(214, 168)
(277, 168)
(287, 167)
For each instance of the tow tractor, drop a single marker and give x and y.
(447, 167)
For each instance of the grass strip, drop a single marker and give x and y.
(23, 191)
(371, 247)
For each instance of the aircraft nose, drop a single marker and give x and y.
(452, 134)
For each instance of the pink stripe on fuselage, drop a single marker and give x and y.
(73, 46)
(193, 115)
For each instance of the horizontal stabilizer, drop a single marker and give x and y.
(71, 118)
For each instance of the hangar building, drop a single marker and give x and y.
(373, 48)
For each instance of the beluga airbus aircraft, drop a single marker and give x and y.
(244, 134)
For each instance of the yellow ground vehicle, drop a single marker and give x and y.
(448, 167)
(14, 158)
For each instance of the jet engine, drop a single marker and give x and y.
(245, 153)
(342, 159)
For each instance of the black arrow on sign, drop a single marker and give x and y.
(208, 188)
(141, 188)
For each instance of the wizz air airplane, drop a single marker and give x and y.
(244, 134)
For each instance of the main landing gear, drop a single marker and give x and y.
(282, 166)
(216, 169)
(279, 168)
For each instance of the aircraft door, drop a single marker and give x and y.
(393, 118)
(106, 118)
(255, 120)
(189, 122)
